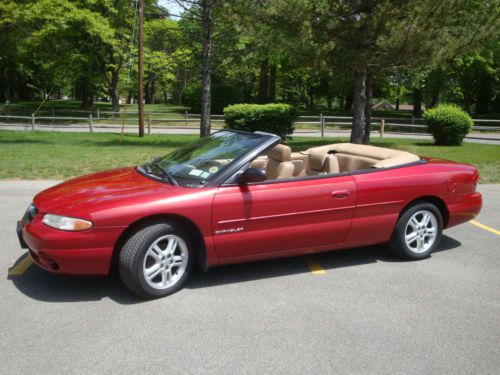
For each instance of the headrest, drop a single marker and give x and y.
(332, 164)
(281, 153)
(317, 160)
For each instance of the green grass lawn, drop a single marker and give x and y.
(53, 155)
(68, 108)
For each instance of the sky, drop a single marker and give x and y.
(172, 6)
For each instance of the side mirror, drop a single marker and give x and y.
(252, 175)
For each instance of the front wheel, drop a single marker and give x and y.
(157, 260)
(418, 232)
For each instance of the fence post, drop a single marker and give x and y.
(322, 125)
(382, 126)
(32, 121)
(149, 123)
(53, 114)
(186, 118)
(98, 114)
(90, 123)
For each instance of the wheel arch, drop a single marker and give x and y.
(436, 201)
(188, 225)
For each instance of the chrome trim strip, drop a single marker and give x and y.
(284, 215)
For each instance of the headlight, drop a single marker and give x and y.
(66, 223)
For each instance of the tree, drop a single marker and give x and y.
(49, 47)
(373, 35)
(476, 76)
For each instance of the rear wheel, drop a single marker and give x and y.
(418, 232)
(157, 260)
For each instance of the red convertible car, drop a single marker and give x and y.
(238, 197)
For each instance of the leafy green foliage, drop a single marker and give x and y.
(272, 118)
(222, 96)
(448, 124)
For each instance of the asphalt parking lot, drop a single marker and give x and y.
(359, 311)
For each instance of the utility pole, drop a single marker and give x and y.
(140, 68)
(206, 69)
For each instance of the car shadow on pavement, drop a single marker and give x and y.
(44, 286)
(296, 265)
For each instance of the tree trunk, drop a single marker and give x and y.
(310, 97)
(358, 110)
(87, 100)
(329, 103)
(467, 102)
(149, 91)
(484, 94)
(5, 85)
(263, 96)
(86, 93)
(115, 99)
(348, 102)
(368, 108)
(436, 91)
(206, 70)
(147, 97)
(417, 103)
(152, 89)
(113, 90)
(165, 97)
(272, 84)
(496, 104)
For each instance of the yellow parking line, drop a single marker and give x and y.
(314, 266)
(20, 267)
(485, 227)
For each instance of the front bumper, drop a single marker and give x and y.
(20, 236)
(71, 253)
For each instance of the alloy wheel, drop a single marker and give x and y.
(421, 231)
(165, 261)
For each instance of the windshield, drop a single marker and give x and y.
(197, 163)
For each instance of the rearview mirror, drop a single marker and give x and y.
(252, 175)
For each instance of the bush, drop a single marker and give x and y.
(222, 96)
(448, 124)
(272, 118)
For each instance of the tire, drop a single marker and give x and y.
(418, 232)
(156, 260)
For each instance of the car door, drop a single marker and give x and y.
(273, 217)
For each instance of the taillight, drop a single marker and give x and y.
(475, 180)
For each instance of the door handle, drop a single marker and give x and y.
(340, 194)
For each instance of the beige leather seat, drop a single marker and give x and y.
(260, 162)
(298, 168)
(353, 157)
(321, 163)
(278, 164)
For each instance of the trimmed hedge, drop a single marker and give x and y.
(448, 123)
(271, 118)
(222, 96)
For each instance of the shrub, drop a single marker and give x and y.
(222, 96)
(272, 118)
(448, 124)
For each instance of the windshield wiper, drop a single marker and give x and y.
(166, 174)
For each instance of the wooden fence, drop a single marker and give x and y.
(112, 121)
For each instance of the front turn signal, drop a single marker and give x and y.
(66, 223)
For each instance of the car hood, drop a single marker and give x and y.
(85, 195)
